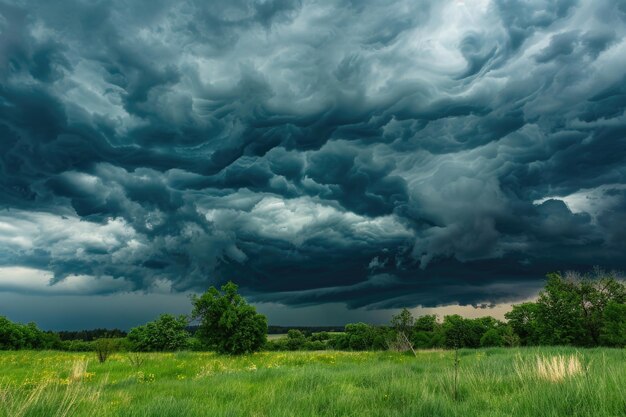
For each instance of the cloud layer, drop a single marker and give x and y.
(378, 154)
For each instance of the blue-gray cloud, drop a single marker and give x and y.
(378, 154)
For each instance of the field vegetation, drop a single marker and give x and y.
(490, 382)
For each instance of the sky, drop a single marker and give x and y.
(338, 160)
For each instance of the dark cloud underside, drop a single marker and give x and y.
(378, 154)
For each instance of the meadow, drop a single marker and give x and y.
(554, 381)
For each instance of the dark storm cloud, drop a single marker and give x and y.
(378, 154)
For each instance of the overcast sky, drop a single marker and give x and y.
(336, 159)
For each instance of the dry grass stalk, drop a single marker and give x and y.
(79, 369)
(557, 368)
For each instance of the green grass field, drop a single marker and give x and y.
(491, 382)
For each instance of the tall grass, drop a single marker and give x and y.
(48, 396)
(491, 382)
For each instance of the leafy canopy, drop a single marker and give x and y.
(573, 309)
(227, 323)
(167, 333)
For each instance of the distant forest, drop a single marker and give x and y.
(93, 334)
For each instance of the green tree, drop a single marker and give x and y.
(492, 337)
(227, 323)
(426, 323)
(523, 319)
(456, 331)
(295, 339)
(14, 336)
(509, 338)
(403, 322)
(360, 336)
(460, 332)
(596, 293)
(571, 308)
(167, 333)
(10, 336)
(613, 331)
(425, 332)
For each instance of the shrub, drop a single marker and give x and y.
(77, 346)
(360, 336)
(104, 347)
(295, 339)
(314, 345)
(167, 333)
(321, 336)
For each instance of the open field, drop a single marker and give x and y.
(276, 336)
(491, 382)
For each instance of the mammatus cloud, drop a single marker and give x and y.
(378, 154)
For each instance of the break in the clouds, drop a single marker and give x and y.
(376, 154)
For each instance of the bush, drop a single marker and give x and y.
(295, 339)
(360, 336)
(227, 323)
(77, 346)
(314, 345)
(321, 336)
(339, 341)
(422, 339)
(194, 344)
(165, 334)
(104, 347)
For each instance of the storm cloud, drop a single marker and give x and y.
(377, 154)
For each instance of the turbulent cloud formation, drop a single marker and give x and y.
(378, 154)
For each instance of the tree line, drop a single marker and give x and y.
(572, 309)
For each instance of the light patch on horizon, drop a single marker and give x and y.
(36, 281)
(592, 201)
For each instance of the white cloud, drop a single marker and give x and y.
(37, 281)
(22, 232)
(296, 220)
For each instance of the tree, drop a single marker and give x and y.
(492, 337)
(167, 333)
(523, 319)
(509, 338)
(227, 323)
(360, 336)
(571, 310)
(426, 323)
(10, 336)
(15, 336)
(403, 324)
(425, 332)
(613, 332)
(295, 339)
(459, 332)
